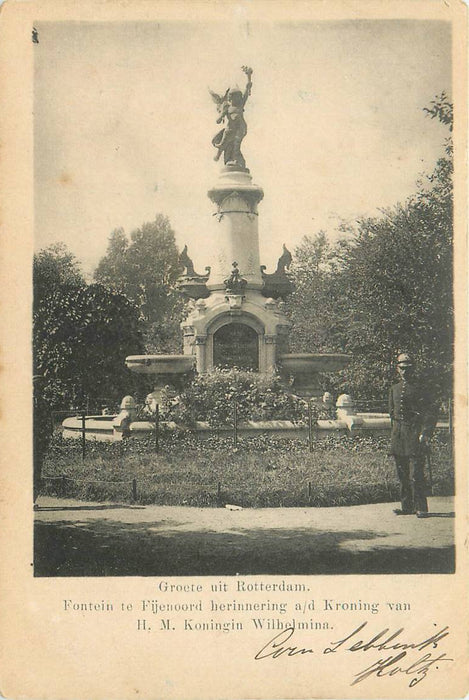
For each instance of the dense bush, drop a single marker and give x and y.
(211, 397)
(81, 334)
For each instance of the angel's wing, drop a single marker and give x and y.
(218, 99)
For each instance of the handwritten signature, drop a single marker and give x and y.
(276, 648)
(398, 661)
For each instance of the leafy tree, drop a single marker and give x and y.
(399, 272)
(316, 306)
(145, 269)
(388, 288)
(55, 266)
(442, 109)
(82, 333)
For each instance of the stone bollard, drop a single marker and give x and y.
(128, 413)
(346, 412)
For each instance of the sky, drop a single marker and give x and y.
(123, 123)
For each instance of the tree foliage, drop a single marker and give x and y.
(53, 267)
(386, 288)
(317, 307)
(442, 109)
(145, 269)
(81, 333)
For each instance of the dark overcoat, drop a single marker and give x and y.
(413, 413)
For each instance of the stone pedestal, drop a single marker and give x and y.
(235, 285)
(234, 229)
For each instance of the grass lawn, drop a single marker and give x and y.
(261, 473)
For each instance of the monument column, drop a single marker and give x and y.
(235, 236)
(236, 291)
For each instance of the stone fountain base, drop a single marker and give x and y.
(302, 370)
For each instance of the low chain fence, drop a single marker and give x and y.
(233, 431)
(64, 476)
(217, 494)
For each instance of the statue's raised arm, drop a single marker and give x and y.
(231, 112)
(247, 91)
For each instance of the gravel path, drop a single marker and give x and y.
(75, 538)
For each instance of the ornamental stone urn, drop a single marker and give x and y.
(303, 369)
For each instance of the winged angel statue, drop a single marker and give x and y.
(231, 110)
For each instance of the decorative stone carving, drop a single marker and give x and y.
(250, 265)
(278, 284)
(201, 307)
(347, 412)
(200, 339)
(235, 284)
(122, 421)
(191, 284)
(235, 301)
(270, 304)
(270, 339)
(228, 200)
(345, 405)
(233, 202)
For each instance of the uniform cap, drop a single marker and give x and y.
(404, 360)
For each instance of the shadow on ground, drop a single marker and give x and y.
(107, 547)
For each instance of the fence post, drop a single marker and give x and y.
(218, 493)
(310, 426)
(157, 427)
(134, 489)
(235, 424)
(310, 491)
(83, 435)
(63, 484)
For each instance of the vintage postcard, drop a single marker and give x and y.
(233, 372)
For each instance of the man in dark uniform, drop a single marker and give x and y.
(413, 420)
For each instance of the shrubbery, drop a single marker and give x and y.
(211, 397)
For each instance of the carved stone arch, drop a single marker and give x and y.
(236, 340)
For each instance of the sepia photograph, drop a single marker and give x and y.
(243, 318)
(233, 370)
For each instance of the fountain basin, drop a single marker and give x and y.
(303, 368)
(305, 362)
(160, 364)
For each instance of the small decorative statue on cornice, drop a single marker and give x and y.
(185, 260)
(231, 110)
(190, 283)
(284, 261)
(235, 284)
(278, 284)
